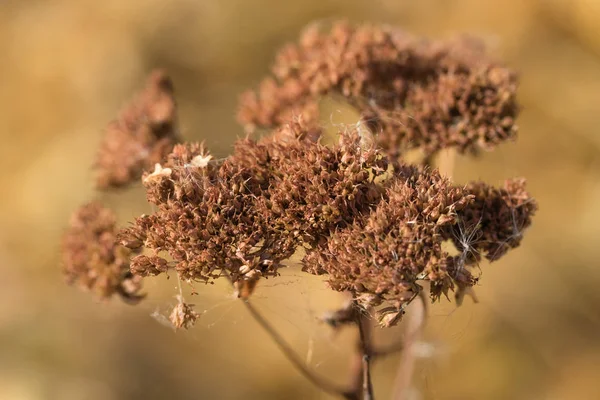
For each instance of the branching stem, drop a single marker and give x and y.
(365, 350)
(316, 380)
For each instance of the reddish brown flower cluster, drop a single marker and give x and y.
(316, 189)
(376, 231)
(92, 258)
(383, 256)
(244, 215)
(413, 93)
(143, 135)
(495, 220)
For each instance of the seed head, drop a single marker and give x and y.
(414, 93)
(142, 135)
(92, 259)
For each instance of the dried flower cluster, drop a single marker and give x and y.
(413, 93)
(246, 214)
(382, 257)
(243, 216)
(93, 259)
(143, 135)
(374, 224)
(497, 217)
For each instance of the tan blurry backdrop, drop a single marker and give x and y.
(67, 66)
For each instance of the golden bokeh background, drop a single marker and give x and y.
(67, 66)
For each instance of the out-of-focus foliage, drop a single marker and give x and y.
(68, 67)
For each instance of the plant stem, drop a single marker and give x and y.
(318, 381)
(415, 323)
(365, 348)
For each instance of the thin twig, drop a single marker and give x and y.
(415, 323)
(364, 330)
(318, 381)
(367, 390)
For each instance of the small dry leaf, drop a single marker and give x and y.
(183, 315)
(389, 317)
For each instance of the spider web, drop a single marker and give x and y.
(293, 303)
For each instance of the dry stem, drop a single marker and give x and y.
(415, 322)
(318, 381)
(365, 349)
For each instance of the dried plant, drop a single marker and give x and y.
(380, 257)
(93, 259)
(376, 226)
(143, 135)
(413, 93)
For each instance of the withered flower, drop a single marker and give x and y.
(316, 189)
(376, 226)
(92, 259)
(380, 257)
(243, 216)
(412, 93)
(246, 214)
(142, 135)
(207, 218)
(377, 232)
(499, 216)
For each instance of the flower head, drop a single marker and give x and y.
(142, 136)
(414, 93)
(92, 259)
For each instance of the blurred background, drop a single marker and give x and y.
(68, 66)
